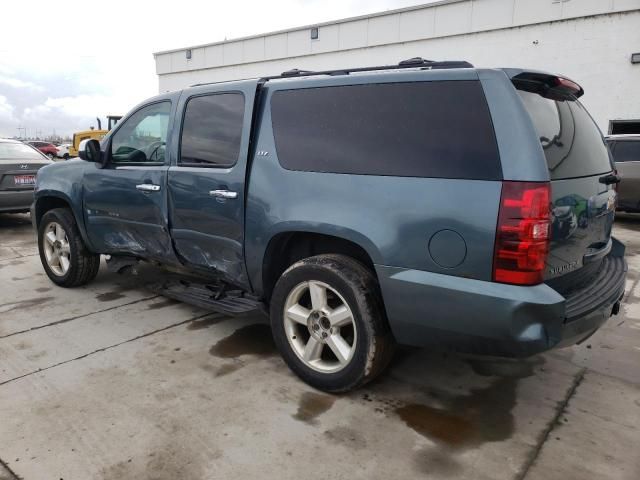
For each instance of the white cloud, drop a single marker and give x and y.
(82, 60)
(6, 109)
(18, 83)
(81, 105)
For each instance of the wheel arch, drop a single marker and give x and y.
(286, 248)
(48, 200)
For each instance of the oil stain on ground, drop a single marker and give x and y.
(312, 405)
(253, 339)
(109, 296)
(437, 424)
(484, 415)
(12, 263)
(225, 369)
(24, 304)
(505, 367)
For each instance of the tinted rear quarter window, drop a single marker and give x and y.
(571, 141)
(627, 151)
(212, 130)
(421, 129)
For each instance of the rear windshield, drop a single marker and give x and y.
(18, 151)
(571, 141)
(626, 151)
(420, 129)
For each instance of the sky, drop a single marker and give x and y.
(62, 63)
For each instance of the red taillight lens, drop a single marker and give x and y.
(522, 235)
(569, 85)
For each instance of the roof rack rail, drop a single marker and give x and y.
(295, 72)
(415, 62)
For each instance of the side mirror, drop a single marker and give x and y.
(89, 150)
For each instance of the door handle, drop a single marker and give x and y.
(148, 187)
(223, 194)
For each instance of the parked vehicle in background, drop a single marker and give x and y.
(626, 154)
(96, 134)
(19, 164)
(48, 148)
(360, 207)
(63, 151)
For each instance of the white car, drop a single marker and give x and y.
(63, 151)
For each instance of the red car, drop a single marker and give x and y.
(49, 149)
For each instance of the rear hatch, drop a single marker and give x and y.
(582, 180)
(19, 164)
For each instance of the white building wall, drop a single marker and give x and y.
(583, 42)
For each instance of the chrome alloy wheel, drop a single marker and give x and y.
(56, 249)
(320, 326)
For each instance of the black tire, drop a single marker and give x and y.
(374, 344)
(51, 156)
(84, 265)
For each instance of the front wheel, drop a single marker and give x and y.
(63, 254)
(329, 324)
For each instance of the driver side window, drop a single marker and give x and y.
(142, 138)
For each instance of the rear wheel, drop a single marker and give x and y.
(51, 156)
(63, 254)
(329, 324)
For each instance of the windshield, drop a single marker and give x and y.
(18, 151)
(571, 141)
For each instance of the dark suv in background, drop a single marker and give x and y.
(361, 207)
(626, 154)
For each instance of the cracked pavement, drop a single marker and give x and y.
(111, 381)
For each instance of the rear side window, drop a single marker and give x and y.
(212, 130)
(626, 151)
(572, 143)
(423, 129)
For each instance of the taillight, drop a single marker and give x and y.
(569, 85)
(522, 235)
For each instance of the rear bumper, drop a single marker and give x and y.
(430, 309)
(15, 200)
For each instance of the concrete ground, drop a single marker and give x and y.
(113, 382)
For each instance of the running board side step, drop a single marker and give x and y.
(218, 298)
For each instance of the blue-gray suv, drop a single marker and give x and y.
(425, 203)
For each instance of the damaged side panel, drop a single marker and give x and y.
(121, 219)
(219, 254)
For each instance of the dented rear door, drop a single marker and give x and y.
(207, 183)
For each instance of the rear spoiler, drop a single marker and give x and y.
(545, 84)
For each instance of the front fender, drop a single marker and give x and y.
(61, 183)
